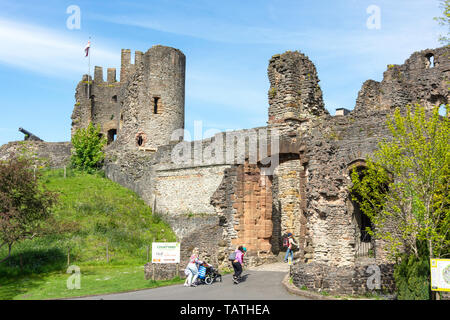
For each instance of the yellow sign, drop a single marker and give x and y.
(440, 274)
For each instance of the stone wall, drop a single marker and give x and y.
(341, 280)
(153, 100)
(184, 190)
(287, 214)
(332, 145)
(415, 81)
(53, 154)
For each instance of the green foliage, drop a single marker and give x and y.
(92, 212)
(272, 92)
(88, 145)
(404, 189)
(24, 202)
(27, 152)
(94, 280)
(444, 20)
(412, 276)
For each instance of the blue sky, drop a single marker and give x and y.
(227, 45)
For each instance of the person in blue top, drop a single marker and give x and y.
(289, 251)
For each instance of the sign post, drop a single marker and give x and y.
(440, 274)
(165, 252)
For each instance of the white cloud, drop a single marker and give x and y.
(49, 52)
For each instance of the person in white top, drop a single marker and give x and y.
(192, 269)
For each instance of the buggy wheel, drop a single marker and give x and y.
(208, 280)
(220, 277)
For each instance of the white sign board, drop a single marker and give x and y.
(440, 274)
(165, 252)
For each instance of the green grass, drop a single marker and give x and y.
(93, 280)
(93, 213)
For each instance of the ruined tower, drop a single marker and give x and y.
(423, 79)
(294, 93)
(99, 101)
(153, 101)
(144, 108)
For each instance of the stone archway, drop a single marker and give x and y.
(364, 244)
(266, 203)
(286, 200)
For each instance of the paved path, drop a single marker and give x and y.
(261, 283)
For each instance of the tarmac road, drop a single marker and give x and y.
(257, 285)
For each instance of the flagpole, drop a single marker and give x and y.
(89, 69)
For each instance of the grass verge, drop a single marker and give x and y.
(98, 225)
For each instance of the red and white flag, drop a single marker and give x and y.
(86, 49)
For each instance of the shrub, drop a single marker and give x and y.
(88, 146)
(412, 276)
(24, 202)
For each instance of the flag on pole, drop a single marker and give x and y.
(86, 49)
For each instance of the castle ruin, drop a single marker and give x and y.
(251, 186)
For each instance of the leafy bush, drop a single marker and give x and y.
(24, 202)
(412, 276)
(88, 146)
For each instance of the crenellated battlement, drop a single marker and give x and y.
(111, 75)
(98, 74)
(106, 101)
(126, 67)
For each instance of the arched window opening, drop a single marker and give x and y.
(363, 240)
(430, 58)
(112, 133)
(155, 104)
(141, 139)
(114, 98)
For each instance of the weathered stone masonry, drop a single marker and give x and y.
(217, 199)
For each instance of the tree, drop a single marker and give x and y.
(405, 187)
(88, 145)
(24, 202)
(444, 20)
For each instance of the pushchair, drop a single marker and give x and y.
(207, 274)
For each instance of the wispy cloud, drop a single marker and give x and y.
(209, 28)
(328, 38)
(47, 51)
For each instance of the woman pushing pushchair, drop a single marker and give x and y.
(191, 270)
(197, 269)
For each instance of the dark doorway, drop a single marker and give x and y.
(364, 244)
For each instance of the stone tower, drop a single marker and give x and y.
(99, 101)
(294, 92)
(144, 108)
(153, 100)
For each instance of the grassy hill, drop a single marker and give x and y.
(94, 215)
